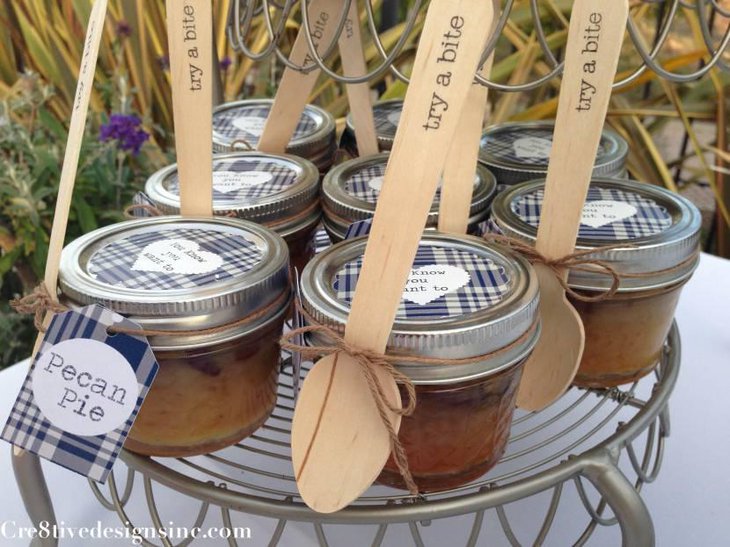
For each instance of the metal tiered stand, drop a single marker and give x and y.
(597, 446)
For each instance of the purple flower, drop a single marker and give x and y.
(164, 62)
(123, 29)
(126, 130)
(225, 63)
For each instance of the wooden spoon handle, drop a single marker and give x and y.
(443, 71)
(190, 38)
(594, 42)
(295, 87)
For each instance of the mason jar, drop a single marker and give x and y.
(386, 115)
(658, 233)
(464, 299)
(350, 193)
(186, 275)
(280, 192)
(519, 151)
(238, 126)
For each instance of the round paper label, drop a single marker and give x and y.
(227, 182)
(250, 124)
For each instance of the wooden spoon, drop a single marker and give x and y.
(594, 42)
(460, 168)
(339, 443)
(190, 39)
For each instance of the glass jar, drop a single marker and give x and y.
(350, 193)
(386, 115)
(624, 333)
(188, 275)
(463, 299)
(519, 151)
(280, 192)
(237, 126)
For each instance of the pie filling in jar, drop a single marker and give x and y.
(519, 151)
(182, 274)
(280, 192)
(350, 193)
(625, 333)
(464, 299)
(386, 115)
(238, 126)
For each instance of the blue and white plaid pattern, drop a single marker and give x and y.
(487, 286)
(649, 219)
(381, 112)
(283, 178)
(28, 428)
(223, 123)
(500, 146)
(357, 184)
(321, 240)
(113, 263)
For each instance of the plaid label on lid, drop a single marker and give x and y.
(443, 283)
(173, 258)
(243, 180)
(609, 214)
(246, 123)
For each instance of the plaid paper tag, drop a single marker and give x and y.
(140, 198)
(30, 429)
(227, 124)
(242, 180)
(485, 283)
(384, 116)
(176, 258)
(321, 240)
(649, 218)
(359, 228)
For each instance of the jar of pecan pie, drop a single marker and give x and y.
(280, 192)
(464, 299)
(658, 237)
(216, 291)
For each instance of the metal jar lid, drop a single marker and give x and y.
(517, 152)
(174, 273)
(350, 193)
(264, 188)
(661, 230)
(464, 298)
(238, 126)
(386, 115)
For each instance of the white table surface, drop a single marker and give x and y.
(689, 502)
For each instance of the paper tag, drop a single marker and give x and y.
(176, 256)
(252, 125)
(83, 392)
(359, 228)
(532, 147)
(428, 283)
(233, 181)
(601, 213)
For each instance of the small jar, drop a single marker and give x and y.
(386, 115)
(187, 274)
(280, 192)
(463, 299)
(625, 333)
(350, 193)
(517, 152)
(239, 125)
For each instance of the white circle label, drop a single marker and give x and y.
(85, 387)
(376, 183)
(532, 147)
(176, 256)
(428, 283)
(603, 212)
(227, 182)
(253, 125)
(394, 117)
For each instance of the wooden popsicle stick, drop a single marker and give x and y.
(358, 95)
(461, 162)
(295, 87)
(339, 443)
(190, 39)
(594, 43)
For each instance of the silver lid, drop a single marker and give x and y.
(263, 188)
(490, 303)
(238, 126)
(662, 229)
(350, 193)
(386, 115)
(517, 152)
(174, 273)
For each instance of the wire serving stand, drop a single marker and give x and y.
(599, 446)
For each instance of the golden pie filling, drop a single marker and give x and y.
(657, 234)
(216, 291)
(464, 299)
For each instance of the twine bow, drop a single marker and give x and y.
(37, 303)
(368, 361)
